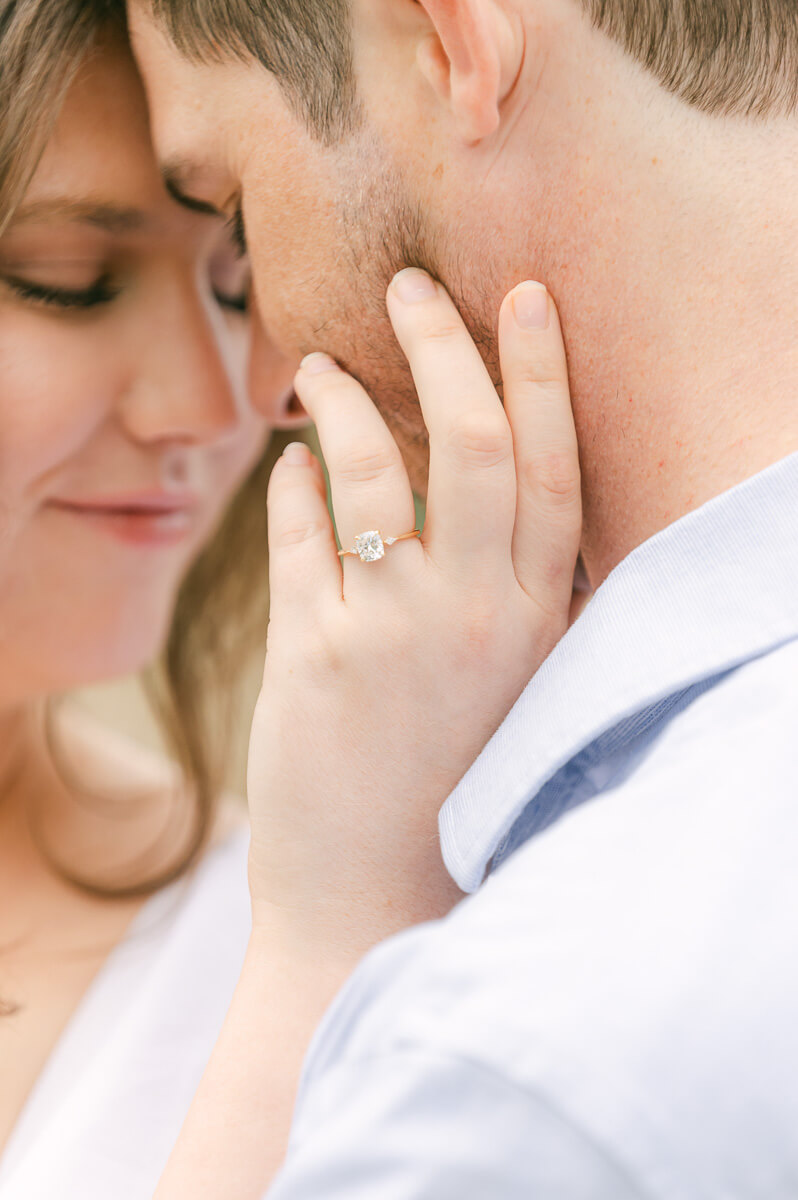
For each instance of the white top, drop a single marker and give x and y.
(108, 1107)
(612, 1014)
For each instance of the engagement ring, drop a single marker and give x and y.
(371, 545)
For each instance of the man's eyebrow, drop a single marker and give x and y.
(174, 175)
(111, 218)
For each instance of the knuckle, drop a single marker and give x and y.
(364, 464)
(557, 573)
(443, 330)
(555, 477)
(295, 531)
(480, 628)
(481, 440)
(544, 371)
(314, 656)
(321, 656)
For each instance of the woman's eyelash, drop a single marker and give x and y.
(98, 293)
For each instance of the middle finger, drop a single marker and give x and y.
(471, 495)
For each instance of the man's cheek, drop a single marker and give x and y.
(285, 319)
(292, 303)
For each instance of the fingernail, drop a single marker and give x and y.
(412, 286)
(297, 454)
(317, 364)
(531, 306)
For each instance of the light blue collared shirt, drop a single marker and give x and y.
(613, 1012)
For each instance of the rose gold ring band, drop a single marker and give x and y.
(370, 546)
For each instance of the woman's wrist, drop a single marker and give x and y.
(296, 938)
(332, 925)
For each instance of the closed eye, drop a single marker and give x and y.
(101, 292)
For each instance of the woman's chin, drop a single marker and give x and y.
(101, 660)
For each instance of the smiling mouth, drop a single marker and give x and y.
(144, 520)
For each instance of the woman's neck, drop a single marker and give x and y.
(21, 760)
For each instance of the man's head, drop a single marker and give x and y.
(723, 56)
(609, 147)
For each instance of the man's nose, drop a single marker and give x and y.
(271, 378)
(183, 382)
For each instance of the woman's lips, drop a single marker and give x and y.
(137, 518)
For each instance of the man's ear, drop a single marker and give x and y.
(471, 58)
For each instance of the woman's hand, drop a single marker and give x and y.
(384, 680)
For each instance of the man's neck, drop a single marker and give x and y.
(670, 243)
(684, 361)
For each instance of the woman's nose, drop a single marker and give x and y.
(184, 384)
(271, 382)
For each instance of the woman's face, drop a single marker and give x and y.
(124, 420)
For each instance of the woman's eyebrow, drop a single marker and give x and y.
(111, 218)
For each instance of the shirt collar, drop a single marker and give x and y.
(711, 591)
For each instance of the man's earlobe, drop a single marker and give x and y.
(470, 58)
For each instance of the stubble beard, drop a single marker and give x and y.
(383, 229)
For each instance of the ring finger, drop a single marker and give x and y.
(368, 479)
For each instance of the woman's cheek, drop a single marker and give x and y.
(55, 385)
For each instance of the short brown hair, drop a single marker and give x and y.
(305, 44)
(722, 56)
